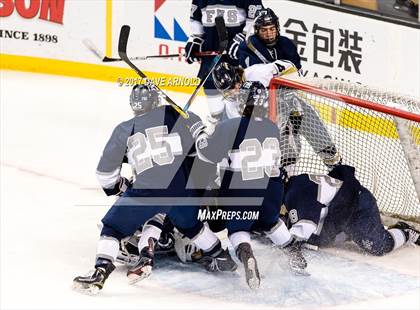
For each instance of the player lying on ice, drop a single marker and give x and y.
(155, 143)
(321, 207)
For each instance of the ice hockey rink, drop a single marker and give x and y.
(53, 130)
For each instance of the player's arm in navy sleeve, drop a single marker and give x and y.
(109, 167)
(195, 126)
(251, 8)
(245, 55)
(351, 186)
(196, 38)
(292, 52)
(195, 19)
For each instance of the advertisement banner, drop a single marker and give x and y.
(332, 44)
(352, 48)
(51, 28)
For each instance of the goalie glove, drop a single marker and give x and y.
(234, 46)
(119, 188)
(193, 46)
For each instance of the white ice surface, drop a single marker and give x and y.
(53, 130)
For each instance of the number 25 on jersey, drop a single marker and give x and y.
(156, 146)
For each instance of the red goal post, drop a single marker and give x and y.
(376, 131)
(282, 82)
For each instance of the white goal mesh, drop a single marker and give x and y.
(377, 132)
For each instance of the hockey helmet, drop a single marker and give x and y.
(267, 17)
(253, 99)
(143, 98)
(225, 76)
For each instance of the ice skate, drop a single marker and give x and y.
(246, 256)
(94, 281)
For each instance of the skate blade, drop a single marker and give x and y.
(134, 278)
(85, 289)
(252, 277)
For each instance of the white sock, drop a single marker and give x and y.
(279, 234)
(205, 239)
(108, 247)
(398, 236)
(239, 237)
(149, 231)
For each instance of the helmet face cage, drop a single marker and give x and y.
(143, 99)
(266, 17)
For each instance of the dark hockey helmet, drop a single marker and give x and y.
(143, 98)
(253, 99)
(267, 17)
(225, 76)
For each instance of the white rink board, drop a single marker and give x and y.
(80, 19)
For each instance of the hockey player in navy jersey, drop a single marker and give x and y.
(321, 207)
(155, 143)
(248, 151)
(238, 17)
(266, 45)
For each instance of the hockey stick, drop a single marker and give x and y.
(122, 51)
(90, 46)
(108, 59)
(223, 43)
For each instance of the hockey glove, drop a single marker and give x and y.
(119, 188)
(211, 124)
(234, 46)
(193, 46)
(196, 128)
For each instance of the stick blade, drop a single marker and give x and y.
(123, 40)
(222, 33)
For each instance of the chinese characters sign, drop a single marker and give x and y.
(340, 48)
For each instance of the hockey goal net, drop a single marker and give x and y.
(375, 131)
